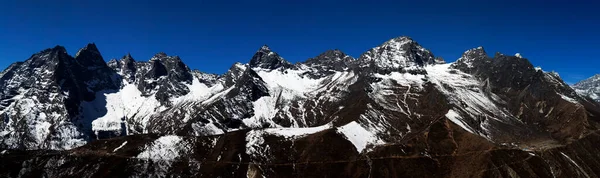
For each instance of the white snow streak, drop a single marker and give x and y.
(576, 165)
(569, 99)
(455, 117)
(122, 145)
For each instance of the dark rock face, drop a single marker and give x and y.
(165, 77)
(267, 59)
(328, 63)
(48, 89)
(397, 111)
(526, 90)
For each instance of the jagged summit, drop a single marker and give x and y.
(397, 53)
(266, 59)
(265, 48)
(401, 39)
(477, 52)
(128, 57)
(158, 56)
(91, 47)
(471, 58)
(329, 56)
(90, 56)
(329, 62)
(57, 48)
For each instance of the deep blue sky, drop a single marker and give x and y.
(212, 35)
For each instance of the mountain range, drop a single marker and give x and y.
(395, 111)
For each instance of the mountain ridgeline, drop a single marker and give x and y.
(395, 111)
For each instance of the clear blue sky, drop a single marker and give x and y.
(212, 35)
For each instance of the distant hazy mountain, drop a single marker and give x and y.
(589, 87)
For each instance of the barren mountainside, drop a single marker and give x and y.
(395, 111)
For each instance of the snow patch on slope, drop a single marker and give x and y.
(405, 79)
(112, 109)
(358, 135)
(254, 142)
(164, 148)
(289, 79)
(198, 91)
(296, 132)
(284, 86)
(255, 138)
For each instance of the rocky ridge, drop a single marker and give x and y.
(395, 108)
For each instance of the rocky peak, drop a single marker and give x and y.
(206, 78)
(478, 52)
(159, 55)
(90, 47)
(163, 75)
(329, 56)
(49, 59)
(397, 53)
(90, 57)
(328, 62)
(249, 83)
(234, 73)
(509, 74)
(440, 60)
(128, 59)
(177, 70)
(56, 49)
(471, 58)
(157, 69)
(267, 59)
(127, 68)
(93, 71)
(10, 68)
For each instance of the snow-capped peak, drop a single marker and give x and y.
(265, 48)
(399, 40)
(158, 55)
(479, 51)
(397, 53)
(518, 55)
